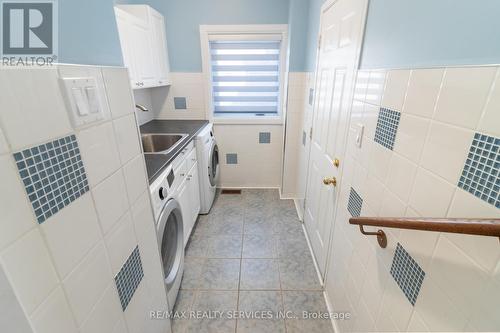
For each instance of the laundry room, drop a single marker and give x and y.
(249, 166)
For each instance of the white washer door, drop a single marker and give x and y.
(170, 240)
(213, 164)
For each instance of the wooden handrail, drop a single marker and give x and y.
(482, 227)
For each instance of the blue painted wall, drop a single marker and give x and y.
(298, 22)
(312, 34)
(426, 33)
(88, 33)
(183, 18)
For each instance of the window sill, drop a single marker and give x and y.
(247, 120)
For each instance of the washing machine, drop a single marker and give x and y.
(208, 166)
(169, 228)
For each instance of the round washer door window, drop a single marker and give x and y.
(171, 241)
(213, 167)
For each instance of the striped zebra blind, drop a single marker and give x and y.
(245, 77)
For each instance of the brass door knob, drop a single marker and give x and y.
(336, 162)
(330, 181)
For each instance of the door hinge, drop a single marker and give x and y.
(319, 42)
(311, 133)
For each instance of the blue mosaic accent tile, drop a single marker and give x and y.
(264, 137)
(53, 175)
(387, 127)
(231, 158)
(355, 203)
(407, 274)
(481, 172)
(129, 277)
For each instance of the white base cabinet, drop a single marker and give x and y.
(189, 195)
(144, 45)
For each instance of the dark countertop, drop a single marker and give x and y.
(156, 163)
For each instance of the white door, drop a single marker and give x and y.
(341, 32)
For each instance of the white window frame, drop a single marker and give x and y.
(210, 32)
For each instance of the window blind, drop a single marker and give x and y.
(245, 77)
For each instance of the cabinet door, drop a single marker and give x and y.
(160, 48)
(143, 54)
(194, 188)
(184, 202)
(126, 42)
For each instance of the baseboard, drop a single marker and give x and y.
(336, 328)
(320, 278)
(299, 209)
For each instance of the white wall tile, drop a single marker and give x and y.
(458, 276)
(370, 117)
(467, 205)
(438, 312)
(144, 226)
(391, 206)
(54, 315)
(491, 117)
(110, 199)
(29, 268)
(120, 98)
(85, 285)
(4, 147)
(106, 314)
(396, 306)
(71, 233)
(486, 318)
(135, 178)
(364, 321)
(135, 316)
(120, 243)
(410, 139)
(31, 99)
(120, 327)
(127, 138)
(423, 90)
(372, 192)
(99, 152)
(12, 318)
(17, 213)
(417, 324)
(446, 150)
(361, 86)
(375, 88)
(380, 157)
(419, 244)
(431, 195)
(463, 95)
(395, 89)
(401, 176)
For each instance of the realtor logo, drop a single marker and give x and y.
(29, 29)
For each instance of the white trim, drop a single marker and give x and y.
(208, 31)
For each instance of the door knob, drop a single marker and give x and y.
(330, 181)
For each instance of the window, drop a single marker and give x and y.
(245, 72)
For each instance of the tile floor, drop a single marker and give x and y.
(250, 254)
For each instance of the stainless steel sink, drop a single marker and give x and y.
(161, 143)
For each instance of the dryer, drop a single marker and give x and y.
(169, 228)
(208, 166)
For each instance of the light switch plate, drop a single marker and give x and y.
(82, 98)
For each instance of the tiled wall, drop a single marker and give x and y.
(429, 149)
(258, 165)
(75, 206)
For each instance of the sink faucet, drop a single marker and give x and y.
(141, 107)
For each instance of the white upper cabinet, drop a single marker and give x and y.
(144, 45)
